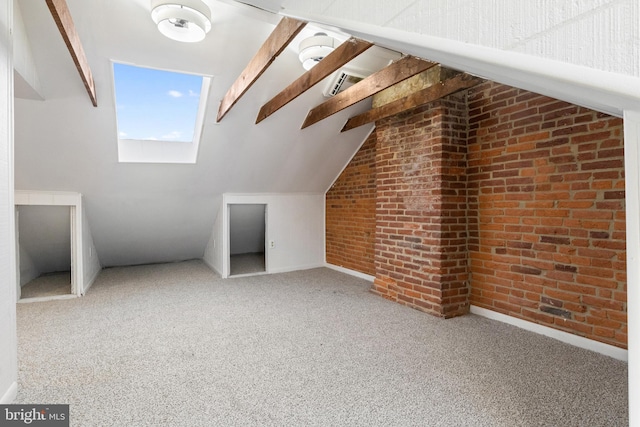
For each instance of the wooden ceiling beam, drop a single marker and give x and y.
(336, 59)
(285, 31)
(421, 97)
(64, 22)
(396, 72)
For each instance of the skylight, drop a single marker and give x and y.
(159, 114)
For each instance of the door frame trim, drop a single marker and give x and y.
(61, 198)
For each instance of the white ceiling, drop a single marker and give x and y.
(141, 213)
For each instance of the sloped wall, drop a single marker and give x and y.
(544, 226)
(561, 30)
(26, 80)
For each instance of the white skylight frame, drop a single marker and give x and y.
(163, 151)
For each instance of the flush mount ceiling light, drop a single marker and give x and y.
(313, 49)
(182, 20)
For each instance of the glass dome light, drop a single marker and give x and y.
(182, 20)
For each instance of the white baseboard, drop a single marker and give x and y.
(294, 268)
(271, 271)
(566, 337)
(50, 298)
(10, 395)
(91, 280)
(208, 264)
(350, 272)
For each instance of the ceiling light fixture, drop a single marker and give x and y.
(182, 20)
(313, 49)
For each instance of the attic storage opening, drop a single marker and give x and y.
(44, 242)
(159, 113)
(70, 205)
(247, 239)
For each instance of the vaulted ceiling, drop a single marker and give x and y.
(161, 212)
(252, 140)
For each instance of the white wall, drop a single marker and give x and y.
(213, 252)
(9, 347)
(91, 261)
(295, 223)
(247, 229)
(27, 83)
(28, 269)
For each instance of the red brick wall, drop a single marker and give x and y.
(519, 194)
(350, 213)
(547, 214)
(421, 231)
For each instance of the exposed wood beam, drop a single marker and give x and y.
(336, 59)
(388, 76)
(62, 17)
(421, 97)
(278, 40)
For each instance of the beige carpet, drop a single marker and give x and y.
(47, 285)
(174, 345)
(246, 264)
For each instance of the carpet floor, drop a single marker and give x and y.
(174, 345)
(246, 264)
(47, 285)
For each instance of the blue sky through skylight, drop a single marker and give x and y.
(154, 104)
